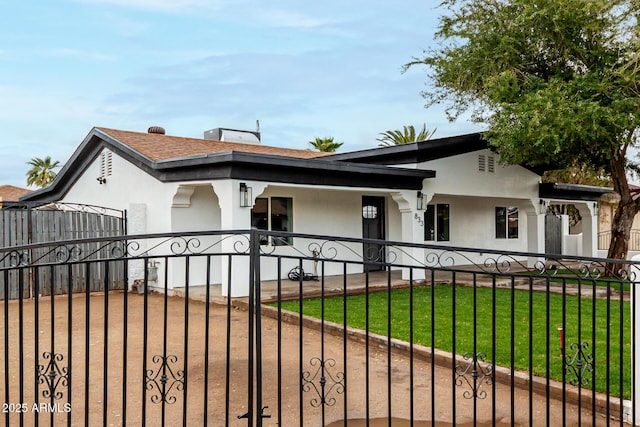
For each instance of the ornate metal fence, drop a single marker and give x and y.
(441, 334)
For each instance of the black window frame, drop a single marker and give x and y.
(273, 220)
(437, 222)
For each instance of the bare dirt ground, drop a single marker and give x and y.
(126, 393)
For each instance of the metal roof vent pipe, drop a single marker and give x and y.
(156, 129)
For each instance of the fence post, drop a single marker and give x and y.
(635, 343)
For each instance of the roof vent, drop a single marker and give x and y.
(156, 129)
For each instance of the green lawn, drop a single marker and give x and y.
(485, 330)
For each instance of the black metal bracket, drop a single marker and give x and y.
(262, 414)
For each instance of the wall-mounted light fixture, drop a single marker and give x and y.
(245, 196)
(420, 205)
(101, 180)
(543, 206)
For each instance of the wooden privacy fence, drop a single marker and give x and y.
(28, 223)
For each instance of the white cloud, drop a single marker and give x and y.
(162, 5)
(67, 52)
(286, 19)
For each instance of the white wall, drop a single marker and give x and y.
(459, 175)
(472, 223)
(327, 212)
(126, 185)
(201, 213)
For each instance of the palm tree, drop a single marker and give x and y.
(42, 171)
(405, 136)
(325, 145)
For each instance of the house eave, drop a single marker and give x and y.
(416, 152)
(561, 191)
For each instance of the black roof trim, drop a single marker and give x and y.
(548, 190)
(233, 165)
(416, 152)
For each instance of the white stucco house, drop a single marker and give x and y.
(449, 191)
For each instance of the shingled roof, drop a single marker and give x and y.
(10, 193)
(159, 147)
(179, 159)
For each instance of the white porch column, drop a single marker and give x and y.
(412, 232)
(535, 230)
(235, 217)
(589, 213)
(137, 224)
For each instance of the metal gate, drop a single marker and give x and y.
(553, 234)
(439, 336)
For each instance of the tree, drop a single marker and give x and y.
(325, 145)
(42, 171)
(575, 174)
(556, 81)
(405, 136)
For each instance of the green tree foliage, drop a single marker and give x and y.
(575, 174)
(42, 171)
(325, 145)
(579, 174)
(556, 81)
(405, 136)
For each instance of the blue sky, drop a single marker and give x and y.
(304, 69)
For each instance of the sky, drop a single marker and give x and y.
(303, 69)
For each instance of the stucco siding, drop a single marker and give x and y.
(127, 184)
(459, 175)
(472, 223)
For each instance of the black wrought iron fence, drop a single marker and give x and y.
(219, 329)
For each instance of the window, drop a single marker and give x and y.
(436, 223)
(506, 223)
(369, 212)
(275, 214)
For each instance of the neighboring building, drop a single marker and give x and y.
(10, 193)
(607, 208)
(448, 192)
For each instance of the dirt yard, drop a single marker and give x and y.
(144, 404)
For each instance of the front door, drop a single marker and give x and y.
(373, 228)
